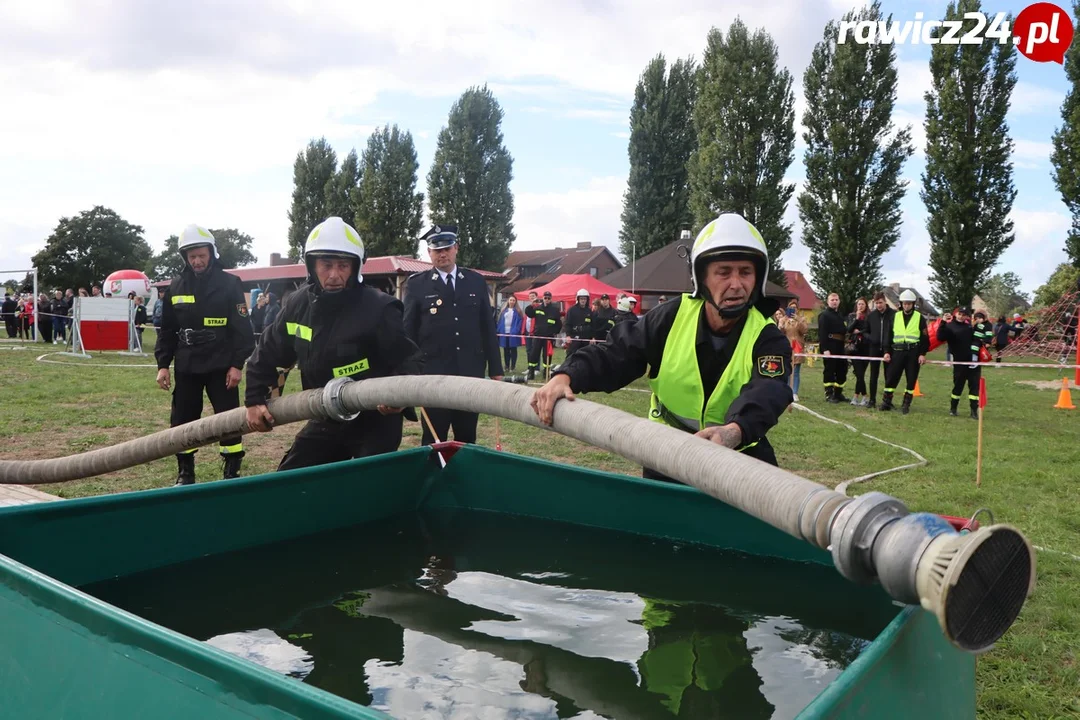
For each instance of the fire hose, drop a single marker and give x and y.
(975, 583)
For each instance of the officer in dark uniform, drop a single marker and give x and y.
(333, 326)
(716, 362)
(964, 346)
(579, 323)
(548, 325)
(206, 329)
(832, 329)
(448, 315)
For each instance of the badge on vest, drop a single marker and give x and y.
(770, 365)
(242, 309)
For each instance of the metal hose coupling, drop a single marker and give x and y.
(975, 583)
(332, 402)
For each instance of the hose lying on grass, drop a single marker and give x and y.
(975, 582)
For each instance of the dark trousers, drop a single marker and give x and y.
(875, 368)
(859, 368)
(463, 423)
(835, 373)
(187, 402)
(961, 375)
(539, 347)
(321, 442)
(11, 326)
(510, 357)
(904, 362)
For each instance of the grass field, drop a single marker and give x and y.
(1031, 457)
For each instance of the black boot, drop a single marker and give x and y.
(974, 409)
(953, 404)
(230, 466)
(886, 402)
(186, 464)
(907, 403)
(838, 395)
(872, 405)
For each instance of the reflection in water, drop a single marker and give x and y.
(440, 680)
(591, 623)
(795, 664)
(265, 647)
(482, 616)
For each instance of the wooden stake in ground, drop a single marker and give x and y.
(498, 442)
(982, 404)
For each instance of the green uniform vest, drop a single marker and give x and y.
(678, 397)
(909, 333)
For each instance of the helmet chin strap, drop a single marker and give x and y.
(731, 312)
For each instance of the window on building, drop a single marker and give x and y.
(592, 271)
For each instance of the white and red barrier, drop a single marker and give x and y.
(103, 324)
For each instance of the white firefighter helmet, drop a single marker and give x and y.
(582, 293)
(729, 235)
(195, 236)
(908, 296)
(334, 237)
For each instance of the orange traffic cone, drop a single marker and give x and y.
(1064, 397)
(917, 392)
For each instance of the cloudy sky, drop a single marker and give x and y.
(171, 113)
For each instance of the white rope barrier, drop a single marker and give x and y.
(1056, 366)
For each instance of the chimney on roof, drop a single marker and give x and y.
(275, 259)
(586, 245)
(895, 287)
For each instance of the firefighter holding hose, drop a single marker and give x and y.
(334, 326)
(717, 364)
(205, 329)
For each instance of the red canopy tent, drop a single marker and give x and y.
(564, 289)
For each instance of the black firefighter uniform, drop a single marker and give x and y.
(205, 330)
(909, 340)
(548, 325)
(356, 334)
